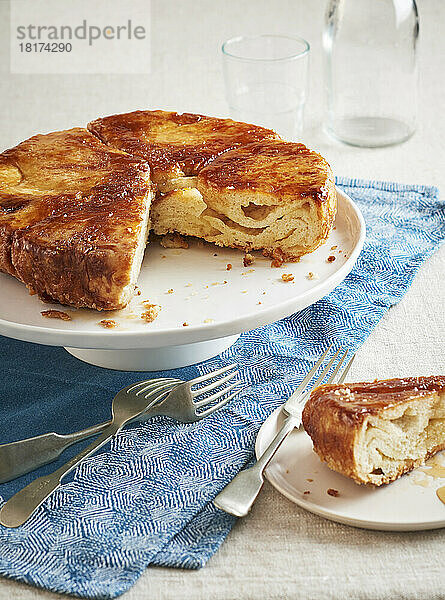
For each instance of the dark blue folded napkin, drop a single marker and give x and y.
(147, 500)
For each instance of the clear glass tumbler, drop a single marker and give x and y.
(371, 70)
(266, 79)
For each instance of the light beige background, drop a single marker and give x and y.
(279, 551)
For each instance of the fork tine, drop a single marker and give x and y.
(312, 372)
(338, 367)
(213, 374)
(148, 385)
(346, 370)
(212, 409)
(325, 370)
(213, 385)
(166, 386)
(205, 401)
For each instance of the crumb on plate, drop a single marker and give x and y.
(228, 267)
(333, 492)
(306, 492)
(55, 314)
(311, 275)
(185, 324)
(287, 277)
(330, 259)
(248, 260)
(107, 323)
(151, 313)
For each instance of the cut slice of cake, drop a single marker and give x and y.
(273, 195)
(374, 432)
(74, 217)
(177, 146)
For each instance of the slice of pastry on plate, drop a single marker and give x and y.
(74, 217)
(374, 432)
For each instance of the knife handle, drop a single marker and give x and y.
(239, 495)
(18, 458)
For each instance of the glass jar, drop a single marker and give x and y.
(371, 70)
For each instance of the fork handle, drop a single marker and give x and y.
(22, 505)
(18, 458)
(239, 495)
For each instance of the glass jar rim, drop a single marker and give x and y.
(292, 56)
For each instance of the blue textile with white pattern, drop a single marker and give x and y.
(147, 500)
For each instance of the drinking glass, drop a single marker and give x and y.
(266, 79)
(371, 70)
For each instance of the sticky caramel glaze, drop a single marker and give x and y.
(70, 214)
(179, 144)
(271, 166)
(357, 400)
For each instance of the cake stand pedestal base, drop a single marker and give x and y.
(154, 359)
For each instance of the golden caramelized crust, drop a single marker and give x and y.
(174, 144)
(72, 214)
(285, 169)
(357, 400)
(376, 431)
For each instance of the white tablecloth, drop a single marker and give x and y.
(279, 550)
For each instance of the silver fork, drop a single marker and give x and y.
(239, 495)
(24, 456)
(180, 402)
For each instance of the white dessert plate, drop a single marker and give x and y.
(204, 306)
(408, 504)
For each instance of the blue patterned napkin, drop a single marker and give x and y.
(147, 500)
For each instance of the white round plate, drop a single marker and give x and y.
(200, 299)
(408, 504)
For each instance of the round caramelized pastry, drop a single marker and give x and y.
(374, 432)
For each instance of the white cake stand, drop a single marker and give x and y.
(204, 306)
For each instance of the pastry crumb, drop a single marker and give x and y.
(228, 267)
(259, 302)
(55, 314)
(334, 247)
(248, 260)
(332, 492)
(170, 291)
(163, 256)
(306, 492)
(247, 272)
(276, 263)
(244, 291)
(311, 275)
(310, 480)
(107, 323)
(173, 240)
(185, 324)
(287, 277)
(151, 313)
(215, 254)
(330, 258)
